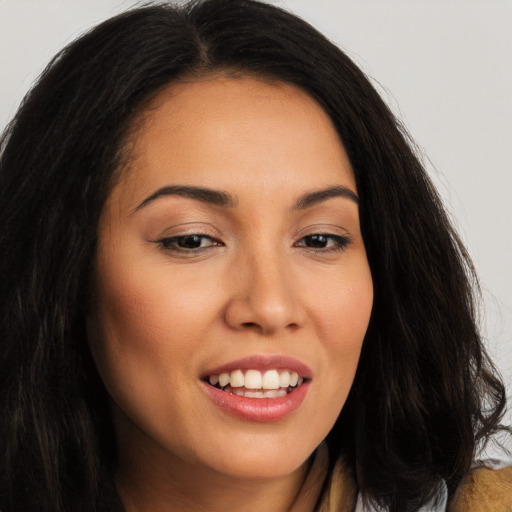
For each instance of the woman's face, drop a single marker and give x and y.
(230, 250)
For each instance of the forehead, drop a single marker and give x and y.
(236, 133)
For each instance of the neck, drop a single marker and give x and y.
(151, 489)
(150, 479)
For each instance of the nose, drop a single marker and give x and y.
(264, 297)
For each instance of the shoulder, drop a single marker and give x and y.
(484, 490)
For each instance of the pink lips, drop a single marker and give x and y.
(259, 409)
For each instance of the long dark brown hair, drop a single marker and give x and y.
(425, 393)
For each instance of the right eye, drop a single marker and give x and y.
(188, 243)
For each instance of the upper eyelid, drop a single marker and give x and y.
(331, 230)
(327, 235)
(317, 230)
(190, 229)
(345, 238)
(335, 236)
(185, 235)
(209, 230)
(166, 244)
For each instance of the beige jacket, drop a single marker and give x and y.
(482, 490)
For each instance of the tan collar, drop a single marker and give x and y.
(340, 492)
(482, 490)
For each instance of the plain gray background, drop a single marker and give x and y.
(444, 67)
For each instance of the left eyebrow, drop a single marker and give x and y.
(318, 196)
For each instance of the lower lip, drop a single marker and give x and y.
(258, 409)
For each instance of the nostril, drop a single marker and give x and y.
(250, 325)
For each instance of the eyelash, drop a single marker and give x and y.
(341, 242)
(171, 244)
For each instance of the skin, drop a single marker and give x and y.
(164, 315)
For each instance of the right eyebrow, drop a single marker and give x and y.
(310, 199)
(203, 194)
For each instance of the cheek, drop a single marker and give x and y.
(148, 321)
(343, 316)
(344, 305)
(143, 337)
(151, 307)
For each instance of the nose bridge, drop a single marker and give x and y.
(264, 297)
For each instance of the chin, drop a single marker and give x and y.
(262, 467)
(260, 459)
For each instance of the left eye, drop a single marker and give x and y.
(324, 241)
(188, 242)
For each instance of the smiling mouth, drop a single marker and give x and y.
(255, 384)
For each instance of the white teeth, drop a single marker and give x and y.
(224, 379)
(253, 379)
(254, 394)
(267, 393)
(237, 379)
(270, 380)
(284, 379)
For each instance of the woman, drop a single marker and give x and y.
(229, 283)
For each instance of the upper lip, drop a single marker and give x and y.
(262, 363)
